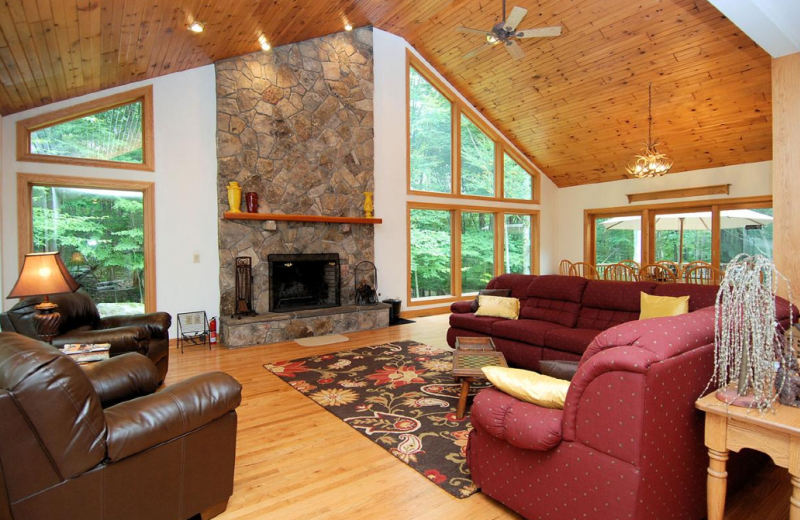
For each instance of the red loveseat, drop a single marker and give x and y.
(628, 443)
(561, 315)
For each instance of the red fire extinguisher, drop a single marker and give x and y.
(212, 329)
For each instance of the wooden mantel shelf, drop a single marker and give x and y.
(301, 218)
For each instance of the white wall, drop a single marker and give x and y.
(185, 188)
(745, 180)
(390, 174)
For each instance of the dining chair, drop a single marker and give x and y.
(657, 273)
(620, 273)
(564, 267)
(672, 266)
(584, 270)
(701, 275)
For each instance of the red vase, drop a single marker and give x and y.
(251, 199)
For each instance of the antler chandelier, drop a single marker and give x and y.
(650, 163)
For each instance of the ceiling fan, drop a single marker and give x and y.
(506, 33)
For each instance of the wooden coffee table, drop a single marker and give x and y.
(467, 364)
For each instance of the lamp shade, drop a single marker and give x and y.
(43, 274)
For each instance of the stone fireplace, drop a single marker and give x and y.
(295, 126)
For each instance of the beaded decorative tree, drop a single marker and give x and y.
(750, 349)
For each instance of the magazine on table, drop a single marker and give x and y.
(87, 353)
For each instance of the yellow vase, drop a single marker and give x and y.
(368, 206)
(235, 197)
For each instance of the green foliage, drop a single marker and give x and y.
(477, 160)
(430, 253)
(430, 136)
(106, 229)
(517, 183)
(112, 135)
(517, 244)
(477, 250)
(614, 245)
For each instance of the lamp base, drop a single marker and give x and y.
(46, 320)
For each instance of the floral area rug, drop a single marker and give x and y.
(401, 396)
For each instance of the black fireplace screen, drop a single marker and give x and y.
(298, 282)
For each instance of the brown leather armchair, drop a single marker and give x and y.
(99, 444)
(147, 334)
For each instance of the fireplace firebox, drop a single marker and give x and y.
(305, 281)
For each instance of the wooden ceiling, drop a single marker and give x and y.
(576, 104)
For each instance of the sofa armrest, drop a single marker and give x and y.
(156, 323)
(123, 339)
(140, 424)
(461, 307)
(521, 424)
(559, 369)
(122, 378)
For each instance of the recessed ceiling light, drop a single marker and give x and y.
(348, 27)
(197, 26)
(262, 40)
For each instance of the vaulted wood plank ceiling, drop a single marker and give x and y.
(576, 104)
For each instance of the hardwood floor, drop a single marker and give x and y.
(295, 460)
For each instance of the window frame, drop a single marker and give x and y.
(648, 213)
(25, 184)
(455, 210)
(144, 95)
(501, 143)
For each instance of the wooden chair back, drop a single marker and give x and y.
(701, 275)
(620, 273)
(672, 266)
(657, 273)
(564, 267)
(584, 270)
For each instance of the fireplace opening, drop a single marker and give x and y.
(300, 282)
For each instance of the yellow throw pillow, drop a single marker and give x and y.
(498, 306)
(662, 306)
(528, 386)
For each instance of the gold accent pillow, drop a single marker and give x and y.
(531, 387)
(498, 307)
(662, 306)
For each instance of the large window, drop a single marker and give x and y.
(477, 160)
(100, 229)
(430, 138)
(452, 153)
(477, 250)
(112, 132)
(446, 265)
(617, 238)
(712, 231)
(431, 253)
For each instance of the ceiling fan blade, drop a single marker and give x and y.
(478, 50)
(515, 50)
(516, 16)
(539, 33)
(472, 31)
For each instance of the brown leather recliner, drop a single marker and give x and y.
(98, 444)
(147, 334)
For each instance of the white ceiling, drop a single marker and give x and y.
(772, 24)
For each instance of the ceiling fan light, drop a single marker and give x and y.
(491, 39)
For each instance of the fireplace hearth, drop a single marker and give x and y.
(303, 281)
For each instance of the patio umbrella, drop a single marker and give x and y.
(729, 219)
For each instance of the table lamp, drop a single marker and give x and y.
(44, 274)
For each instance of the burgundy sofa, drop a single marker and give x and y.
(629, 441)
(561, 315)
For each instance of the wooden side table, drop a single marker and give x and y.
(467, 366)
(732, 428)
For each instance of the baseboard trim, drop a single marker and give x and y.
(419, 313)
